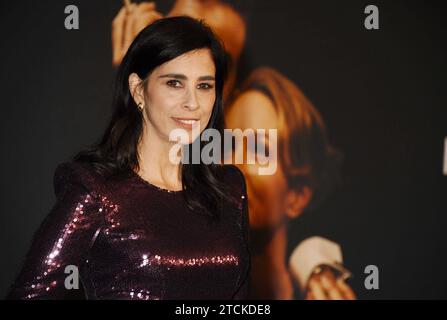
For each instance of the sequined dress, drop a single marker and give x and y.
(129, 239)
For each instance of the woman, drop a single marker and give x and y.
(306, 170)
(134, 224)
(231, 28)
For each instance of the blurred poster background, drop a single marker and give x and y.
(381, 94)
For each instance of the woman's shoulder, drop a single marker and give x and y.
(74, 173)
(235, 180)
(237, 183)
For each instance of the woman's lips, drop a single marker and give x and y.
(185, 122)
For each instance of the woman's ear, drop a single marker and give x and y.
(297, 201)
(135, 88)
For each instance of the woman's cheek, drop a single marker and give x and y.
(207, 112)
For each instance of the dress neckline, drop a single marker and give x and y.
(153, 186)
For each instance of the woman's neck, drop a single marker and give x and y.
(154, 163)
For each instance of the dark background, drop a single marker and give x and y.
(381, 93)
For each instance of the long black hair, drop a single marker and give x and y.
(116, 153)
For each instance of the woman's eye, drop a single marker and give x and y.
(174, 83)
(205, 86)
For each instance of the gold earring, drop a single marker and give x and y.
(140, 106)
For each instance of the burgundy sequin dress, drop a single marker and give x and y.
(130, 239)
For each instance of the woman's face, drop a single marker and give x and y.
(180, 94)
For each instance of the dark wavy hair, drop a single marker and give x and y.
(116, 153)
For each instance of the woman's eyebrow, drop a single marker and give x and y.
(183, 77)
(202, 78)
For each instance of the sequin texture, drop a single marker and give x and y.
(131, 240)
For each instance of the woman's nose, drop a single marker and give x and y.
(191, 101)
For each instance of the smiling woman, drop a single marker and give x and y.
(134, 224)
(179, 93)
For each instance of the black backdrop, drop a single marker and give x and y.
(381, 93)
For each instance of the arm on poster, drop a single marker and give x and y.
(317, 266)
(130, 20)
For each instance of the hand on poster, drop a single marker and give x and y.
(316, 265)
(324, 285)
(130, 20)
